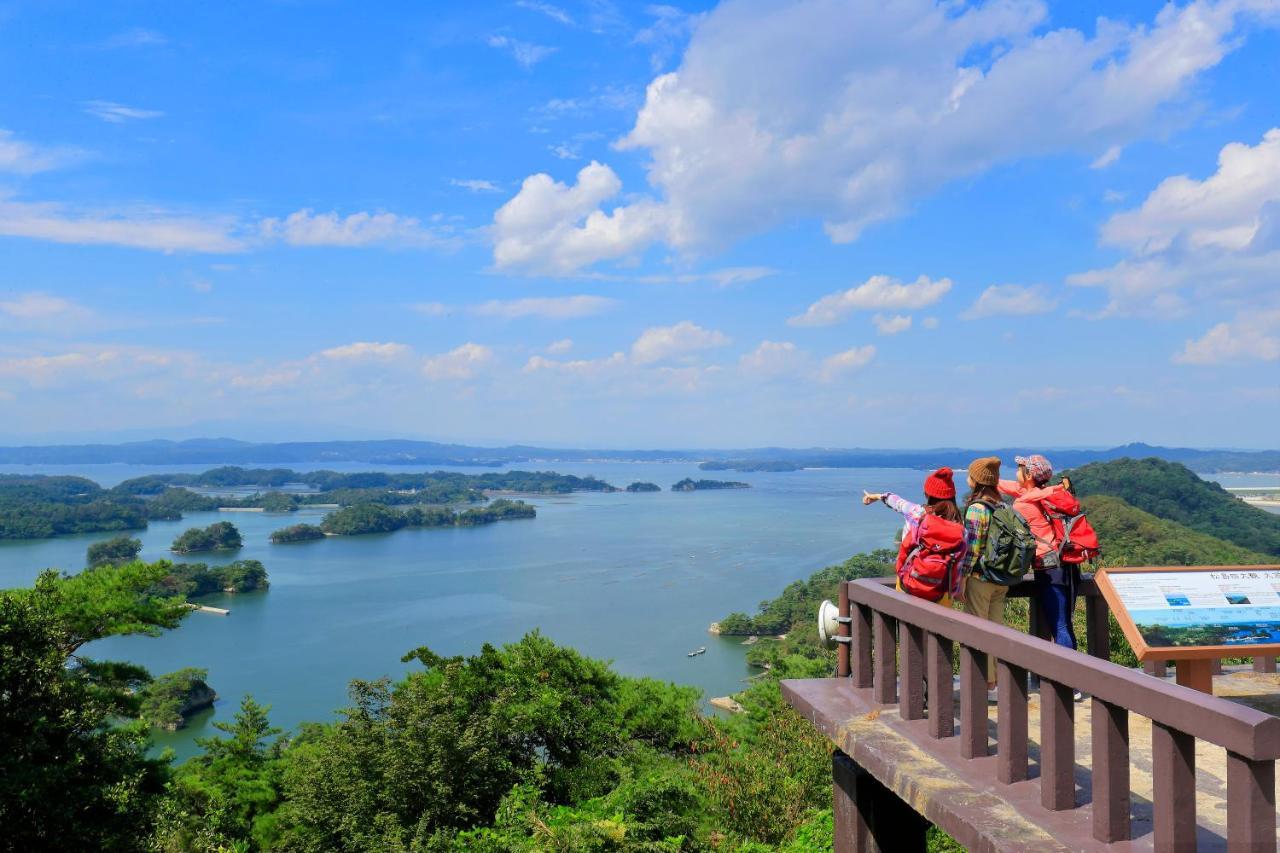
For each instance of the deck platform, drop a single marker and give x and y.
(962, 795)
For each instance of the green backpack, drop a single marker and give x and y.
(1011, 549)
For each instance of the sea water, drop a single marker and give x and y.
(632, 578)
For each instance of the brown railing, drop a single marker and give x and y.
(892, 643)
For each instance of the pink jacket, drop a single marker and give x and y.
(1026, 503)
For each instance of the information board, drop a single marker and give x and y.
(1196, 612)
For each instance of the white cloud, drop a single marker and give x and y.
(135, 229)
(136, 37)
(582, 368)
(110, 111)
(555, 13)
(891, 324)
(772, 359)
(525, 53)
(1011, 300)
(1250, 337)
(432, 309)
(550, 227)
(898, 100)
(670, 28)
(560, 347)
(1199, 242)
(39, 306)
(726, 277)
(91, 363)
(308, 228)
(24, 158)
(835, 366)
(662, 343)
(475, 185)
(1106, 158)
(547, 307)
(880, 292)
(366, 351)
(463, 362)
(929, 323)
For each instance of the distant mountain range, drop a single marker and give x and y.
(225, 451)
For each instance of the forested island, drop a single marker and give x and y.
(377, 518)
(193, 580)
(219, 536)
(39, 506)
(297, 533)
(644, 487)
(689, 484)
(168, 700)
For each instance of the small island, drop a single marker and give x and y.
(113, 552)
(644, 487)
(193, 580)
(170, 699)
(691, 485)
(219, 536)
(297, 533)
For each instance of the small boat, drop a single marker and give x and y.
(698, 651)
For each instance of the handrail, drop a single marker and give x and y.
(886, 632)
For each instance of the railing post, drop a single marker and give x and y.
(1158, 668)
(1173, 764)
(1251, 804)
(911, 667)
(1264, 663)
(870, 817)
(1110, 724)
(942, 698)
(861, 646)
(1098, 626)
(1057, 746)
(973, 703)
(1011, 723)
(885, 681)
(845, 632)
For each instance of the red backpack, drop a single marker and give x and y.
(925, 566)
(1073, 536)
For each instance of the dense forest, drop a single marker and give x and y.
(219, 536)
(644, 487)
(377, 518)
(297, 533)
(1174, 492)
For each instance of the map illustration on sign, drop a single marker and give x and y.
(1202, 608)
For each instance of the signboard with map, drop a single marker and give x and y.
(1198, 612)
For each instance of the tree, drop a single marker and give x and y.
(219, 536)
(117, 549)
(69, 778)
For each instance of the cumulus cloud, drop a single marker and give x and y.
(551, 227)
(1250, 337)
(463, 362)
(546, 307)
(365, 351)
(1011, 300)
(864, 107)
(663, 343)
(110, 111)
(842, 363)
(1193, 241)
(880, 292)
(772, 359)
(527, 54)
(891, 324)
(25, 158)
(308, 228)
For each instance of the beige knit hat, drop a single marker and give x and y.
(985, 471)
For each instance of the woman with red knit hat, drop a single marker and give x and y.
(932, 543)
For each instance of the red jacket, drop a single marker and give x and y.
(1026, 503)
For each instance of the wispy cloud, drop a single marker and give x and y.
(138, 229)
(308, 228)
(555, 13)
(545, 307)
(114, 113)
(135, 37)
(1011, 300)
(476, 185)
(527, 54)
(880, 292)
(25, 158)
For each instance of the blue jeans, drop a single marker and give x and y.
(1056, 597)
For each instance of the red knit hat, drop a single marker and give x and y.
(939, 484)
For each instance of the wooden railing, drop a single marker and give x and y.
(893, 643)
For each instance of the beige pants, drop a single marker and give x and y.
(985, 599)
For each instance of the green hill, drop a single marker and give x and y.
(1174, 493)
(1131, 537)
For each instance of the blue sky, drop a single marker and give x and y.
(607, 224)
